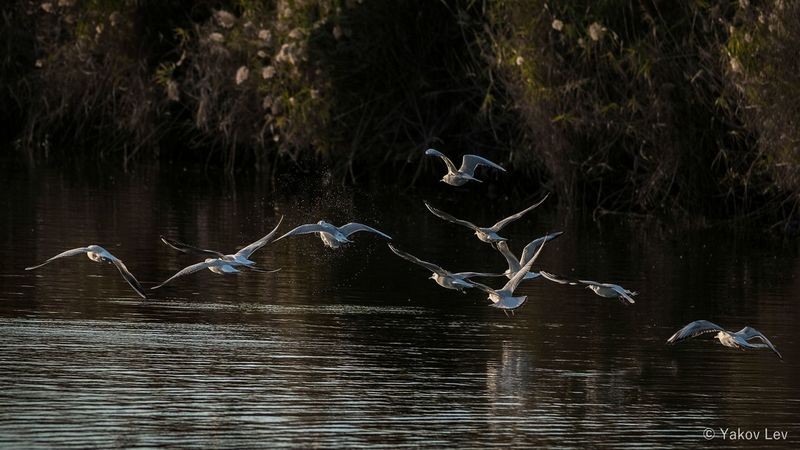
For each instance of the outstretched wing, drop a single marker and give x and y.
(450, 166)
(304, 229)
(449, 218)
(499, 225)
(247, 251)
(513, 262)
(73, 252)
(520, 275)
(190, 249)
(408, 257)
(352, 227)
(129, 277)
(624, 294)
(192, 269)
(533, 247)
(468, 275)
(751, 333)
(483, 287)
(556, 278)
(694, 329)
(470, 162)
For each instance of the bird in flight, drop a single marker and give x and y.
(515, 264)
(485, 234)
(219, 263)
(333, 236)
(461, 175)
(444, 278)
(607, 290)
(740, 339)
(98, 254)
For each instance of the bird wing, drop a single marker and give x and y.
(190, 249)
(624, 294)
(483, 287)
(520, 275)
(408, 257)
(129, 277)
(468, 275)
(470, 162)
(533, 247)
(73, 252)
(513, 262)
(694, 329)
(449, 218)
(751, 333)
(350, 228)
(499, 225)
(450, 166)
(250, 249)
(304, 229)
(556, 278)
(192, 269)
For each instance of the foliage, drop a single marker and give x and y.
(674, 107)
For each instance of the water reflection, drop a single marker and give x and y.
(355, 347)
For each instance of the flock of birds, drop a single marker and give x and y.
(519, 269)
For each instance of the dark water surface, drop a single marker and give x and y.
(356, 347)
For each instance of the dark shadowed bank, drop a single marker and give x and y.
(680, 109)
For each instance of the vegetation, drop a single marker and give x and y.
(636, 106)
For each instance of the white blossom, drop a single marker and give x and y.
(225, 19)
(242, 74)
(596, 31)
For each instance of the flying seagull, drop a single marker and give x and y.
(485, 234)
(528, 252)
(99, 254)
(332, 236)
(221, 264)
(444, 278)
(607, 290)
(458, 176)
(503, 298)
(739, 339)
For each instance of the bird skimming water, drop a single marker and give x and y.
(99, 254)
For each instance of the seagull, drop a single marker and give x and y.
(458, 176)
(221, 264)
(607, 290)
(444, 278)
(99, 254)
(503, 298)
(332, 236)
(739, 339)
(515, 264)
(485, 234)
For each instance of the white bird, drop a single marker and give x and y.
(607, 290)
(485, 234)
(739, 339)
(332, 236)
(528, 252)
(98, 254)
(444, 278)
(503, 298)
(458, 176)
(221, 264)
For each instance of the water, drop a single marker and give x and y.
(356, 347)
